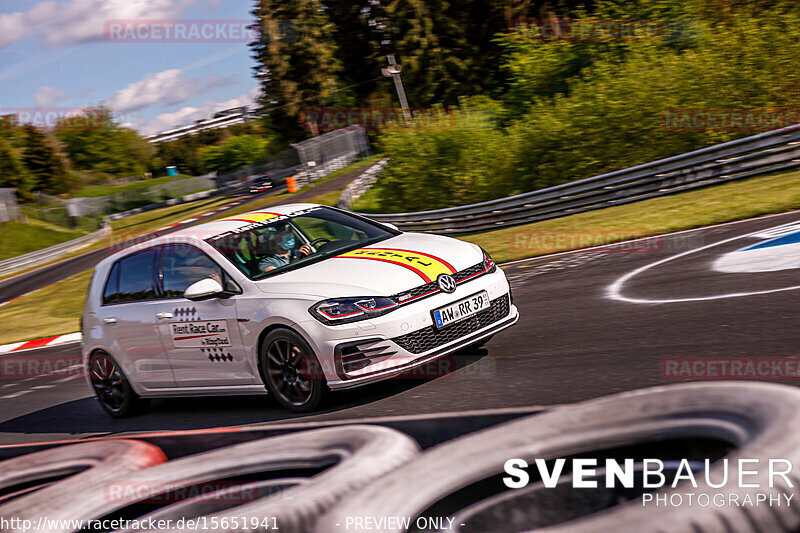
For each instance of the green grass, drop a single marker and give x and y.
(329, 198)
(104, 190)
(158, 218)
(713, 205)
(368, 202)
(17, 238)
(61, 314)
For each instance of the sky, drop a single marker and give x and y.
(156, 63)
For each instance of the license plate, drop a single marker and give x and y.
(450, 314)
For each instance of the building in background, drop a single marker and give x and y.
(220, 119)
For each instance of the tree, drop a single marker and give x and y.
(12, 171)
(236, 152)
(296, 59)
(361, 37)
(447, 49)
(96, 143)
(45, 163)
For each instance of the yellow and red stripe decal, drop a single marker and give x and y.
(426, 266)
(250, 218)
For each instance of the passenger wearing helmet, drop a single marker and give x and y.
(280, 249)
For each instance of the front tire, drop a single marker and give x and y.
(291, 371)
(113, 390)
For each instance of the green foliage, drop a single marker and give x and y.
(236, 152)
(446, 48)
(297, 60)
(463, 158)
(613, 115)
(12, 172)
(578, 109)
(323, 53)
(43, 160)
(96, 144)
(187, 153)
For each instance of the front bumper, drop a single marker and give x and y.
(370, 350)
(427, 357)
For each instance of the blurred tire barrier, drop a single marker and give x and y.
(46, 255)
(88, 465)
(766, 153)
(754, 420)
(342, 459)
(321, 480)
(360, 185)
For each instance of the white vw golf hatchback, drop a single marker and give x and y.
(294, 302)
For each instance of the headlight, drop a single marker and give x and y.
(343, 310)
(488, 262)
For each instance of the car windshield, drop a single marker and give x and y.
(288, 242)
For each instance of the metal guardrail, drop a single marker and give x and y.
(54, 252)
(765, 153)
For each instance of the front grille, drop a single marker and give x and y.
(416, 292)
(429, 338)
(429, 289)
(467, 272)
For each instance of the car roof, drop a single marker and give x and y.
(222, 225)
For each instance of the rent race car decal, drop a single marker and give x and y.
(200, 334)
(426, 266)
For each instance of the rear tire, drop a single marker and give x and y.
(291, 371)
(113, 390)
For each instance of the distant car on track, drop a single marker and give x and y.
(294, 301)
(260, 184)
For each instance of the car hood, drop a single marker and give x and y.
(382, 269)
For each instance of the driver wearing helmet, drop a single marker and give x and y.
(282, 250)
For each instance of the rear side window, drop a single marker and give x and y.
(131, 279)
(111, 290)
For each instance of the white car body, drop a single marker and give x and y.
(159, 343)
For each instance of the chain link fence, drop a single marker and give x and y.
(124, 200)
(279, 161)
(331, 151)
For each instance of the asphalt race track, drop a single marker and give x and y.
(592, 323)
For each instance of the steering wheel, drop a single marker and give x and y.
(321, 240)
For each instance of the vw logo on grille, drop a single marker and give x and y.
(446, 283)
